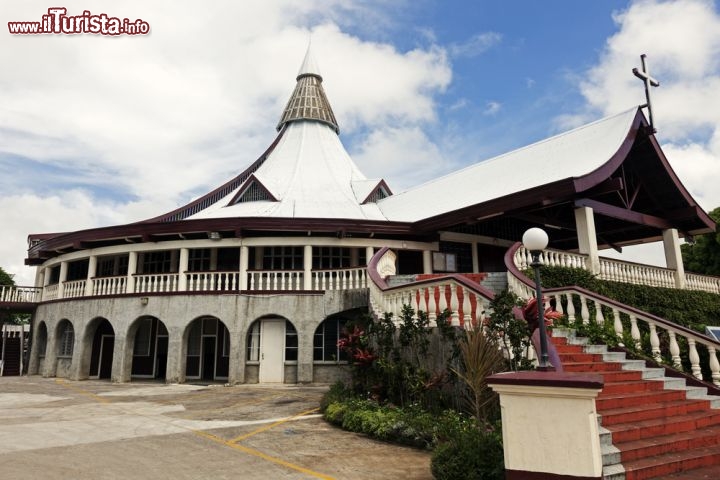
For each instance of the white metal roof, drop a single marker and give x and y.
(571, 154)
(310, 174)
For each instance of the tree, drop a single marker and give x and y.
(6, 278)
(704, 256)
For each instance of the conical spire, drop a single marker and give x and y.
(308, 100)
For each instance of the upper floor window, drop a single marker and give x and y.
(157, 262)
(199, 260)
(283, 258)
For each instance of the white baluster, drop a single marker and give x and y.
(618, 326)
(443, 302)
(599, 317)
(467, 317)
(454, 301)
(694, 359)
(558, 304)
(570, 307)
(635, 332)
(674, 350)
(584, 312)
(654, 342)
(714, 366)
(432, 307)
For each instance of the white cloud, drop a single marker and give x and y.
(142, 124)
(491, 108)
(475, 45)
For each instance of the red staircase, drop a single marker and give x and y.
(651, 426)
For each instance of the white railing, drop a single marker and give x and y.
(109, 285)
(628, 322)
(74, 288)
(466, 300)
(694, 281)
(15, 294)
(50, 292)
(276, 280)
(212, 281)
(620, 271)
(156, 283)
(346, 279)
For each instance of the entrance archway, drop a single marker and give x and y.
(103, 348)
(149, 339)
(208, 350)
(272, 342)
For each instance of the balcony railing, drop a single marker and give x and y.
(15, 294)
(620, 271)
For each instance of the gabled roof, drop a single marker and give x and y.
(570, 154)
(370, 190)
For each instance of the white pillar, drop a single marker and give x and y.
(369, 252)
(475, 259)
(132, 270)
(62, 279)
(182, 268)
(307, 267)
(427, 261)
(92, 270)
(587, 239)
(40, 277)
(673, 255)
(244, 252)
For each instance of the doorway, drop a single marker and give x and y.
(272, 351)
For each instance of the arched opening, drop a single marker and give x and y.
(64, 348)
(325, 340)
(272, 345)
(149, 339)
(103, 348)
(41, 340)
(208, 350)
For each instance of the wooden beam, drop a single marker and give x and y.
(627, 215)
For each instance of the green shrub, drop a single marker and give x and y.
(472, 454)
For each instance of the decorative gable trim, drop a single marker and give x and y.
(380, 191)
(253, 191)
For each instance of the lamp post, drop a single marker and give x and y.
(535, 240)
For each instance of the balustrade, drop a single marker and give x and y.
(15, 294)
(74, 288)
(156, 283)
(212, 281)
(109, 285)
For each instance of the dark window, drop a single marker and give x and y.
(326, 338)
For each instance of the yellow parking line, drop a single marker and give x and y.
(272, 425)
(264, 456)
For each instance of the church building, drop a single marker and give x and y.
(253, 281)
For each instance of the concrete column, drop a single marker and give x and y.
(673, 256)
(427, 261)
(369, 252)
(182, 268)
(244, 253)
(475, 259)
(132, 270)
(549, 424)
(122, 359)
(175, 369)
(63, 278)
(238, 347)
(50, 365)
(40, 277)
(587, 239)
(92, 271)
(305, 355)
(307, 269)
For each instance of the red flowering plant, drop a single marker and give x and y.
(354, 343)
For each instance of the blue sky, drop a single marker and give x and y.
(98, 131)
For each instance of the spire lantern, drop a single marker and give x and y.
(308, 100)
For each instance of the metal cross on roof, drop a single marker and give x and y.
(649, 81)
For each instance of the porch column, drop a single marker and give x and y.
(182, 268)
(50, 363)
(369, 252)
(238, 349)
(40, 277)
(427, 261)
(92, 270)
(587, 239)
(475, 259)
(244, 253)
(307, 269)
(63, 278)
(132, 270)
(673, 256)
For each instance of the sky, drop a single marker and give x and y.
(99, 130)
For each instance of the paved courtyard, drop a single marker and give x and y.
(59, 429)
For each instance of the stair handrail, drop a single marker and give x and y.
(523, 286)
(463, 293)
